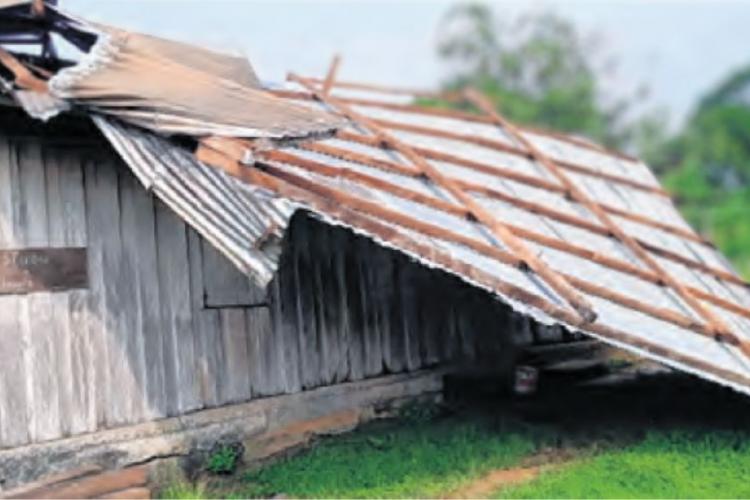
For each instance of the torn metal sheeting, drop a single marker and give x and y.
(124, 76)
(171, 88)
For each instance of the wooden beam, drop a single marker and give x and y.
(331, 76)
(343, 205)
(615, 264)
(38, 8)
(503, 173)
(459, 115)
(24, 78)
(497, 227)
(506, 148)
(716, 325)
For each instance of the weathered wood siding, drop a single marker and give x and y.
(141, 344)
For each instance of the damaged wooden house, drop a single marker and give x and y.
(186, 254)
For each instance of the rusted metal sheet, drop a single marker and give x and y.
(42, 269)
(172, 89)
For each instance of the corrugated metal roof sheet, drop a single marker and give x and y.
(635, 309)
(553, 226)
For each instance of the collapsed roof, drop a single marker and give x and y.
(556, 227)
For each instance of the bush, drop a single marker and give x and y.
(224, 458)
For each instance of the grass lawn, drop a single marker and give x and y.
(673, 438)
(387, 460)
(663, 465)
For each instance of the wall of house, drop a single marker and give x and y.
(167, 326)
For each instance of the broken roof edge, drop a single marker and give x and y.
(128, 74)
(543, 312)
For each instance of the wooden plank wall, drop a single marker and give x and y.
(139, 344)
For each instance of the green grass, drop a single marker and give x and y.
(668, 437)
(435, 458)
(390, 459)
(414, 460)
(184, 492)
(664, 465)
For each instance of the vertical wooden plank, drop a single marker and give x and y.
(183, 392)
(325, 286)
(285, 321)
(432, 311)
(82, 381)
(149, 294)
(366, 253)
(36, 309)
(236, 383)
(14, 403)
(59, 304)
(395, 352)
(258, 328)
(99, 360)
(384, 290)
(117, 290)
(307, 322)
(408, 284)
(130, 292)
(271, 346)
(354, 307)
(339, 303)
(209, 353)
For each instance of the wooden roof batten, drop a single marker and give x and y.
(373, 141)
(231, 155)
(716, 325)
(502, 173)
(457, 210)
(344, 205)
(477, 212)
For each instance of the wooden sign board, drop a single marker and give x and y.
(42, 269)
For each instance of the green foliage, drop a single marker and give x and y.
(386, 461)
(538, 69)
(224, 458)
(732, 90)
(707, 167)
(664, 465)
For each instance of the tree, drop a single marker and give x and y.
(538, 69)
(707, 166)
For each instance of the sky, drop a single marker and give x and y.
(678, 49)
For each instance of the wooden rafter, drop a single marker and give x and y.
(459, 211)
(331, 76)
(573, 167)
(240, 149)
(38, 8)
(501, 173)
(24, 78)
(455, 114)
(716, 325)
(404, 170)
(339, 202)
(494, 225)
(496, 145)
(506, 148)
